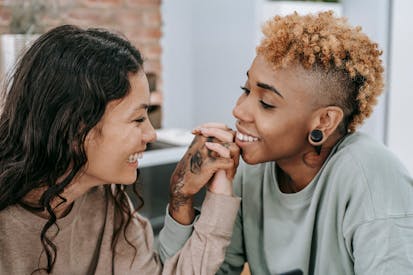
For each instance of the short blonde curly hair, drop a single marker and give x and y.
(346, 60)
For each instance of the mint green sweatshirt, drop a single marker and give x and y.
(355, 217)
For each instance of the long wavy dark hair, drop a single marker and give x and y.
(57, 94)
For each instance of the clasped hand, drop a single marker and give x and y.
(211, 159)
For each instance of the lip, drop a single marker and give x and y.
(136, 163)
(244, 132)
(242, 143)
(133, 164)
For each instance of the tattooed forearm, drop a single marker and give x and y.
(184, 180)
(179, 173)
(178, 199)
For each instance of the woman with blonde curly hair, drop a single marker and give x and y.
(318, 196)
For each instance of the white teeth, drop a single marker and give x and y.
(134, 157)
(246, 138)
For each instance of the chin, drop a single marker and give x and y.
(127, 179)
(256, 157)
(249, 160)
(130, 181)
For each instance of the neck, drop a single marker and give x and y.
(61, 208)
(295, 174)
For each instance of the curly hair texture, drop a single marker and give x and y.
(346, 62)
(58, 93)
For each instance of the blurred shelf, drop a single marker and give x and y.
(160, 156)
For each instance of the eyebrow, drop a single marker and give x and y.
(140, 107)
(268, 87)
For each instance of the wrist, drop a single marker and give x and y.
(181, 209)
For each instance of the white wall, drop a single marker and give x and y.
(400, 126)
(223, 51)
(208, 47)
(177, 48)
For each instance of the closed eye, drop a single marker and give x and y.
(263, 104)
(140, 120)
(266, 106)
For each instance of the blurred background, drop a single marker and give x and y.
(197, 54)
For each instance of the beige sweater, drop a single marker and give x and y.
(84, 241)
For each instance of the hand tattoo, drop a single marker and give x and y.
(187, 170)
(196, 163)
(177, 198)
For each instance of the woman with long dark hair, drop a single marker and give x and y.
(73, 126)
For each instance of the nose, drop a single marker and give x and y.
(149, 134)
(242, 111)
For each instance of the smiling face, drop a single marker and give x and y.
(114, 145)
(275, 113)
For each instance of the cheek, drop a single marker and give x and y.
(125, 137)
(133, 137)
(281, 128)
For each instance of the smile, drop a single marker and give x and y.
(134, 157)
(246, 138)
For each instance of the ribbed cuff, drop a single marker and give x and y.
(174, 235)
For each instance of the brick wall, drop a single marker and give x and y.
(139, 20)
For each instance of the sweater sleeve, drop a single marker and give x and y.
(204, 251)
(173, 236)
(391, 239)
(235, 254)
(235, 257)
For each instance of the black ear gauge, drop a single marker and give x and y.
(316, 136)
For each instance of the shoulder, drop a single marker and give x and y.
(367, 157)
(364, 168)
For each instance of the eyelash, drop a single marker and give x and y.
(266, 106)
(263, 104)
(140, 120)
(246, 90)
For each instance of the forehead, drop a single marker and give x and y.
(137, 95)
(138, 92)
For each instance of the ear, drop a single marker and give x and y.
(327, 120)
